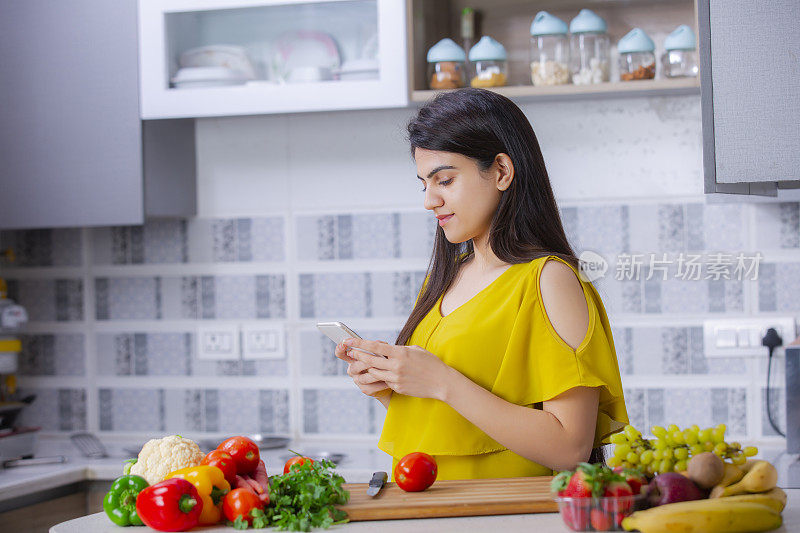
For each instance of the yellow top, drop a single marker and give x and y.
(502, 340)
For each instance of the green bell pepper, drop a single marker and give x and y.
(120, 502)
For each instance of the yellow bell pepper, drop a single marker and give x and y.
(210, 483)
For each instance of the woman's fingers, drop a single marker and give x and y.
(373, 389)
(341, 353)
(375, 347)
(381, 375)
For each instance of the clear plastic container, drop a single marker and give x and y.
(488, 63)
(490, 74)
(447, 75)
(446, 65)
(636, 58)
(598, 514)
(588, 43)
(637, 66)
(549, 50)
(680, 58)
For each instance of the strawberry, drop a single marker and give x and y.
(587, 481)
(620, 490)
(600, 520)
(575, 514)
(635, 478)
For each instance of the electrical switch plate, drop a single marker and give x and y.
(263, 341)
(741, 337)
(218, 342)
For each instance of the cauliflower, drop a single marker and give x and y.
(159, 457)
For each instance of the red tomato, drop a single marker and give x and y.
(415, 472)
(224, 462)
(239, 502)
(244, 453)
(296, 460)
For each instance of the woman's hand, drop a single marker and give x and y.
(358, 371)
(408, 370)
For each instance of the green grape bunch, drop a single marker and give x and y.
(672, 448)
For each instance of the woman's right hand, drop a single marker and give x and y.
(358, 371)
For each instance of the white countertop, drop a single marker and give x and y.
(522, 523)
(357, 467)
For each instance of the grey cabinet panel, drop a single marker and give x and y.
(70, 140)
(750, 57)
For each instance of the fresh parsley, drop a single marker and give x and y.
(304, 498)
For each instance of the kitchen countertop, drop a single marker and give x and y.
(16, 482)
(99, 523)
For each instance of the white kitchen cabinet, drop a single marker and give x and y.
(275, 56)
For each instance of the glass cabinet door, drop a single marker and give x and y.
(212, 58)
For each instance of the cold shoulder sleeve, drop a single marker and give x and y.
(538, 364)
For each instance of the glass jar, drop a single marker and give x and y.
(589, 58)
(680, 58)
(488, 63)
(636, 58)
(549, 50)
(446, 65)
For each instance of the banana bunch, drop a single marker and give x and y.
(746, 499)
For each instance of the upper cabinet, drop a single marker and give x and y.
(204, 58)
(73, 149)
(751, 96)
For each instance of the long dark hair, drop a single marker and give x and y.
(480, 124)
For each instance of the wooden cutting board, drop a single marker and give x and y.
(470, 497)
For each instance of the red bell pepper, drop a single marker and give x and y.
(171, 505)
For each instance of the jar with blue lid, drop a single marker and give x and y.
(549, 50)
(637, 60)
(489, 63)
(588, 48)
(446, 65)
(680, 56)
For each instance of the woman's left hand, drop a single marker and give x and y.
(408, 370)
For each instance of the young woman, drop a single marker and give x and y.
(506, 366)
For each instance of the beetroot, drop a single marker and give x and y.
(671, 488)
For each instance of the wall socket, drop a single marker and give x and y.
(218, 342)
(741, 337)
(263, 341)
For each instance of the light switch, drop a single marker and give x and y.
(743, 337)
(218, 342)
(263, 341)
(726, 338)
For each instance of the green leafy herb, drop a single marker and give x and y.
(306, 497)
(240, 523)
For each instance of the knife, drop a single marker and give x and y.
(376, 483)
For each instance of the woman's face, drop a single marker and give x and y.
(459, 194)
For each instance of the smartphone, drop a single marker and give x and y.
(338, 333)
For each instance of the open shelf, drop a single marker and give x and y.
(618, 89)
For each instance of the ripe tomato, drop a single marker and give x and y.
(239, 502)
(224, 462)
(415, 472)
(298, 460)
(244, 453)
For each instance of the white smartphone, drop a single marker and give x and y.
(338, 333)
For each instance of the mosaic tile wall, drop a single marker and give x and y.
(111, 346)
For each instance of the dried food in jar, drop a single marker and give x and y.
(596, 72)
(447, 75)
(549, 73)
(642, 72)
(489, 78)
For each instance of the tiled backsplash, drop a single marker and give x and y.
(111, 346)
